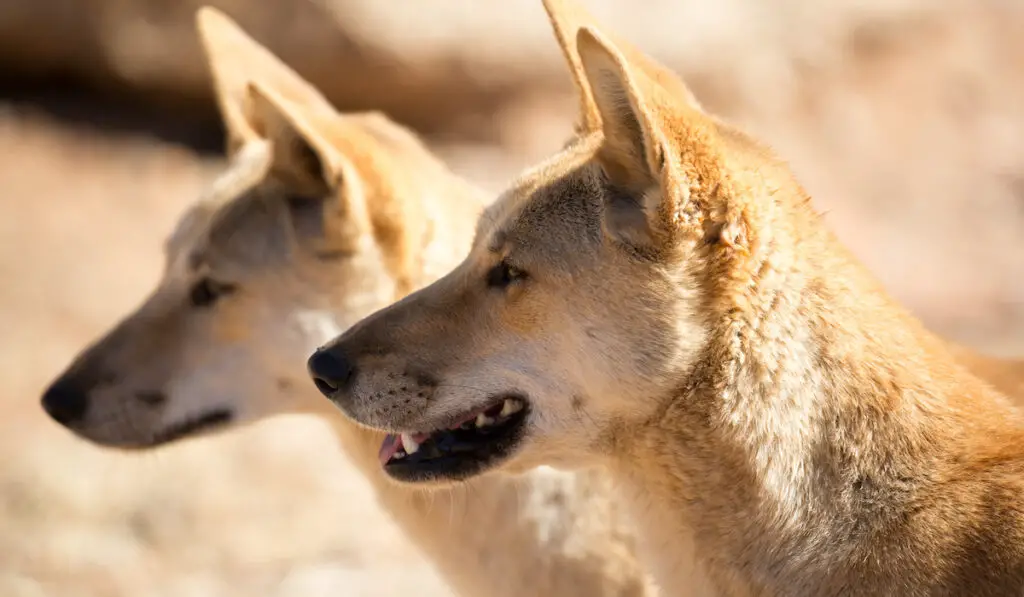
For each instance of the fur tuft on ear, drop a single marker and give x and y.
(299, 151)
(633, 153)
(235, 59)
(313, 167)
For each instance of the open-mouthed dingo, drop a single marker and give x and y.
(661, 299)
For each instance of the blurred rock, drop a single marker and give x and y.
(360, 56)
(455, 66)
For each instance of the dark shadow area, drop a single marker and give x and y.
(192, 124)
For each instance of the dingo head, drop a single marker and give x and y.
(587, 297)
(319, 219)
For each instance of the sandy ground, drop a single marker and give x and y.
(275, 510)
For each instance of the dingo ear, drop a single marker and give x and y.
(308, 160)
(567, 17)
(235, 59)
(632, 109)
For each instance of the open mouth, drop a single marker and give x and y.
(192, 426)
(473, 443)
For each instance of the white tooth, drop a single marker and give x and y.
(511, 407)
(409, 443)
(483, 420)
(398, 455)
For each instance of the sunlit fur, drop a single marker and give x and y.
(685, 320)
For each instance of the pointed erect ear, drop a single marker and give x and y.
(299, 150)
(303, 156)
(633, 155)
(633, 148)
(235, 59)
(567, 17)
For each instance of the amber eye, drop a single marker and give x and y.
(503, 274)
(205, 292)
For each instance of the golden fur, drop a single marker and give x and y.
(670, 306)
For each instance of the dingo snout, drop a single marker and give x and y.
(368, 374)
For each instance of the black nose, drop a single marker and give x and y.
(330, 371)
(65, 402)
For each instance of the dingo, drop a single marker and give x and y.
(661, 299)
(320, 219)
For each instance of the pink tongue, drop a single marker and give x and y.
(392, 444)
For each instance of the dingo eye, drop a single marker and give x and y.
(503, 274)
(205, 292)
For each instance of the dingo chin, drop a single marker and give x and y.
(661, 299)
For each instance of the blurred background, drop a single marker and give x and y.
(904, 118)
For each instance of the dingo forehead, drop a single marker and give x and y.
(557, 199)
(241, 226)
(237, 216)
